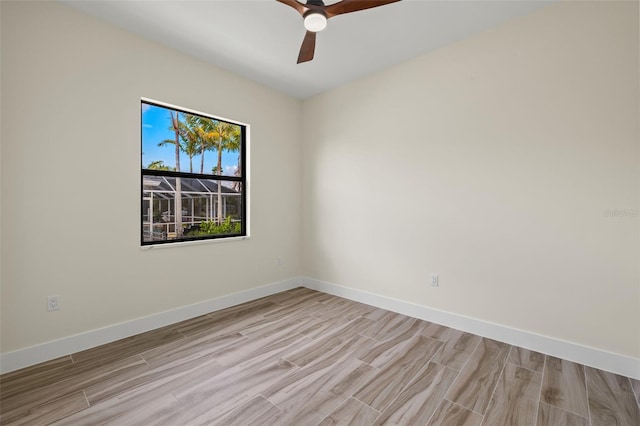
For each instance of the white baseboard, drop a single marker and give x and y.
(597, 358)
(47, 351)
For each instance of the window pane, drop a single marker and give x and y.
(208, 208)
(178, 141)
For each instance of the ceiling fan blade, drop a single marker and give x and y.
(301, 8)
(308, 47)
(348, 6)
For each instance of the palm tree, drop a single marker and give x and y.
(198, 135)
(206, 140)
(191, 139)
(175, 127)
(157, 165)
(227, 138)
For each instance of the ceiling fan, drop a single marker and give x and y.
(315, 15)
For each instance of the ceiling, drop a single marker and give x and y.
(260, 39)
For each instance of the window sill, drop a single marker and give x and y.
(196, 242)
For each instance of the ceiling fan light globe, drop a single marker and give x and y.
(315, 22)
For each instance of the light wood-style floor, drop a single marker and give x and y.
(307, 358)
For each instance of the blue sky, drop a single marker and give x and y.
(156, 123)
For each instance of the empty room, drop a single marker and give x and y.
(357, 212)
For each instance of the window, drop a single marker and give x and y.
(193, 176)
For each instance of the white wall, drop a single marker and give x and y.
(71, 89)
(490, 162)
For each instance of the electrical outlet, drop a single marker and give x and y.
(279, 261)
(53, 303)
(435, 280)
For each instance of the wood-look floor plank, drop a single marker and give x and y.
(457, 349)
(419, 400)
(475, 384)
(527, 359)
(257, 411)
(635, 386)
(378, 313)
(213, 326)
(227, 320)
(148, 375)
(285, 311)
(141, 407)
(385, 386)
(192, 347)
(319, 329)
(383, 352)
(265, 349)
(325, 384)
(78, 378)
(564, 386)
(48, 412)
(330, 343)
(340, 349)
(611, 399)
(326, 298)
(146, 402)
(299, 295)
(34, 372)
(220, 394)
(437, 331)
(232, 348)
(392, 325)
(516, 398)
(549, 415)
(126, 347)
(288, 295)
(352, 412)
(450, 414)
(35, 377)
(270, 325)
(343, 308)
